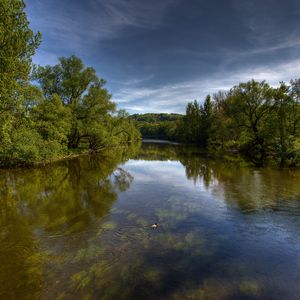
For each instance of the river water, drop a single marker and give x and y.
(81, 228)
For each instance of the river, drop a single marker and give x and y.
(81, 228)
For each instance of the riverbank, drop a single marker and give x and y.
(70, 155)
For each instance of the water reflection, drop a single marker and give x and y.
(239, 183)
(80, 229)
(39, 205)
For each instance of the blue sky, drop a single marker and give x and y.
(157, 55)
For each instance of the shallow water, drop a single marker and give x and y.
(81, 229)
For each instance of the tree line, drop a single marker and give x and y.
(252, 118)
(158, 125)
(50, 111)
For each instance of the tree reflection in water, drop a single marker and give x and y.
(43, 210)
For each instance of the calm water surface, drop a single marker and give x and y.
(80, 229)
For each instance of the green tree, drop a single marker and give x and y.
(286, 120)
(207, 119)
(192, 122)
(17, 45)
(250, 106)
(224, 136)
(282, 105)
(53, 121)
(199, 122)
(82, 92)
(294, 92)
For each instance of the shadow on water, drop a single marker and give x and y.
(80, 229)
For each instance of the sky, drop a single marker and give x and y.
(157, 55)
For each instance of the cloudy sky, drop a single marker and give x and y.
(157, 55)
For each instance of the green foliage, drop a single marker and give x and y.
(28, 147)
(256, 119)
(17, 45)
(93, 118)
(159, 126)
(250, 106)
(69, 109)
(192, 122)
(155, 118)
(52, 119)
(198, 122)
(252, 118)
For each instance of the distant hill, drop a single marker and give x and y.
(158, 126)
(155, 118)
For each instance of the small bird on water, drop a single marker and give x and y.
(154, 226)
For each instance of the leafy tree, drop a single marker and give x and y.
(68, 108)
(199, 122)
(282, 105)
(223, 135)
(207, 119)
(192, 122)
(250, 105)
(286, 120)
(70, 80)
(52, 120)
(253, 118)
(294, 92)
(84, 94)
(17, 45)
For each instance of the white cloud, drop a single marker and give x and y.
(72, 27)
(173, 97)
(133, 13)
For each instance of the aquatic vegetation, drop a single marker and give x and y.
(109, 225)
(131, 216)
(249, 288)
(80, 280)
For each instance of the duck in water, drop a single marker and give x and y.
(154, 226)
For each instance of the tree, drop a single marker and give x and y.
(224, 136)
(17, 45)
(294, 92)
(199, 122)
(52, 120)
(287, 121)
(69, 105)
(207, 116)
(192, 122)
(282, 105)
(250, 105)
(82, 92)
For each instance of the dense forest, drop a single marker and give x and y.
(253, 118)
(51, 111)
